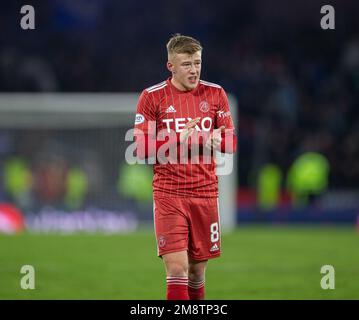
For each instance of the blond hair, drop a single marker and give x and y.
(182, 44)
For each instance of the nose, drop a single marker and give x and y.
(193, 69)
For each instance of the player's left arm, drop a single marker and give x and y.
(223, 137)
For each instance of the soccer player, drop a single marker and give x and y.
(189, 113)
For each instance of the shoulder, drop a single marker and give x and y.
(210, 84)
(157, 87)
(151, 96)
(213, 89)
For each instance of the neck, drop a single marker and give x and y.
(178, 85)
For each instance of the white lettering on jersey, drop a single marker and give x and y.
(180, 123)
(167, 122)
(204, 120)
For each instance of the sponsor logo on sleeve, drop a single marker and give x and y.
(139, 118)
(222, 114)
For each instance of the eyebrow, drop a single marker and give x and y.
(197, 60)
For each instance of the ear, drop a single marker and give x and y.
(169, 66)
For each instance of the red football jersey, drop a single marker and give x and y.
(170, 109)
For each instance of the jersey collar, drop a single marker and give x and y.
(179, 91)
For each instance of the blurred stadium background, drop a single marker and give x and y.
(68, 97)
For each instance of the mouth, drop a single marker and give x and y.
(192, 79)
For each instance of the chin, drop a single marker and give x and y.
(192, 85)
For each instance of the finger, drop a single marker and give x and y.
(195, 120)
(191, 123)
(220, 129)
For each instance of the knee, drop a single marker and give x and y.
(177, 269)
(176, 264)
(196, 272)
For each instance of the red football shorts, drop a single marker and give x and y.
(188, 224)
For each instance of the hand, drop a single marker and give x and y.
(214, 140)
(188, 129)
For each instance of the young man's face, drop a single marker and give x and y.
(186, 70)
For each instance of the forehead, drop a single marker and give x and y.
(181, 57)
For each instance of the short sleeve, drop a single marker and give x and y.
(145, 119)
(223, 114)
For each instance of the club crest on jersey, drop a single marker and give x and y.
(204, 106)
(139, 118)
(161, 241)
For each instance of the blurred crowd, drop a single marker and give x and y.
(297, 85)
(70, 170)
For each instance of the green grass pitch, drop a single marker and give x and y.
(258, 262)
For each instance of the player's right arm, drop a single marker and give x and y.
(145, 127)
(145, 133)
